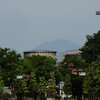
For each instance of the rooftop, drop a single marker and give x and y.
(40, 51)
(73, 52)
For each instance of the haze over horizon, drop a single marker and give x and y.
(25, 24)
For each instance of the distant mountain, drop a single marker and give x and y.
(59, 45)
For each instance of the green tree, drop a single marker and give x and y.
(69, 63)
(9, 63)
(28, 66)
(33, 85)
(20, 88)
(33, 82)
(1, 85)
(67, 85)
(91, 48)
(64, 71)
(76, 61)
(58, 75)
(42, 87)
(89, 82)
(97, 82)
(96, 65)
(43, 66)
(51, 85)
(1, 82)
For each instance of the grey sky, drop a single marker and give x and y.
(24, 24)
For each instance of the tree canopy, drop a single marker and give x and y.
(91, 48)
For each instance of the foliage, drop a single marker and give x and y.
(25, 86)
(33, 83)
(11, 66)
(75, 61)
(64, 71)
(1, 82)
(42, 85)
(6, 96)
(96, 65)
(77, 82)
(1, 85)
(58, 75)
(27, 66)
(97, 81)
(51, 84)
(89, 83)
(43, 66)
(20, 86)
(91, 52)
(73, 84)
(71, 98)
(9, 61)
(67, 85)
(91, 48)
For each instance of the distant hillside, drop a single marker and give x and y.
(59, 45)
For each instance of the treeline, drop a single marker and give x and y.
(40, 76)
(88, 86)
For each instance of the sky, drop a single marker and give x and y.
(25, 24)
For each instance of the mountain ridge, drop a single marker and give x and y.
(59, 45)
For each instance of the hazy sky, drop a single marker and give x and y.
(24, 24)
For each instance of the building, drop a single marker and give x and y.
(76, 52)
(41, 53)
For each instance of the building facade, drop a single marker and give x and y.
(76, 52)
(41, 53)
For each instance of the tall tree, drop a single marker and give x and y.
(1, 83)
(20, 88)
(43, 66)
(97, 82)
(89, 82)
(74, 82)
(67, 85)
(96, 65)
(51, 90)
(42, 87)
(27, 66)
(9, 62)
(33, 85)
(91, 48)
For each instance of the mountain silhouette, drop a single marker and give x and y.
(59, 45)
